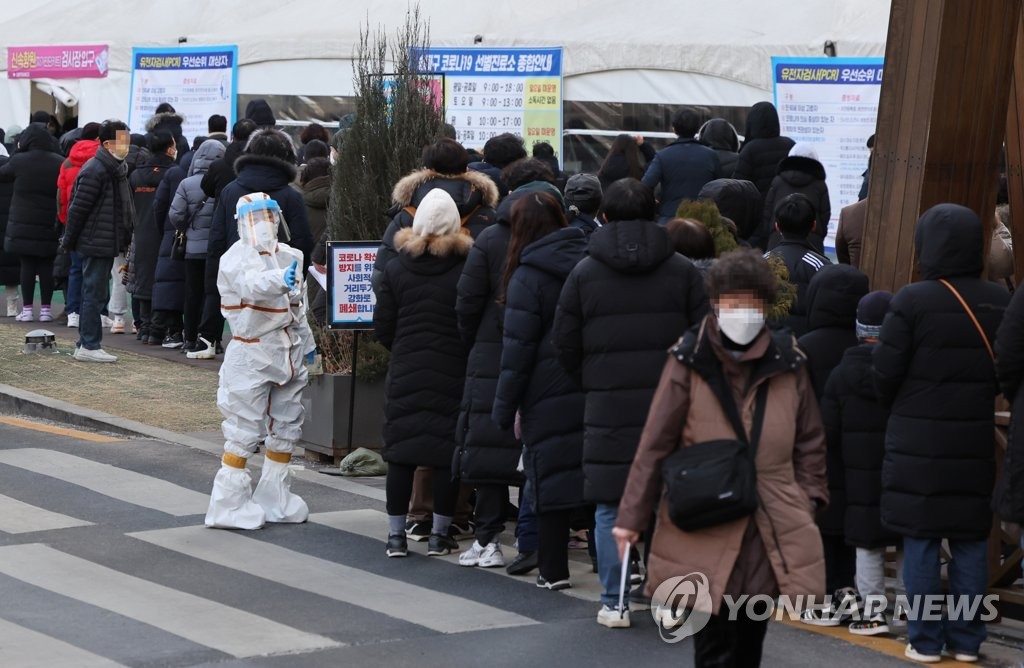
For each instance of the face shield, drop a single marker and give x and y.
(258, 218)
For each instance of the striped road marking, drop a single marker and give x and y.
(117, 483)
(202, 621)
(418, 605)
(19, 517)
(374, 524)
(26, 648)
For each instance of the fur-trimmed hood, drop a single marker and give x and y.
(469, 189)
(253, 159)
(409, 243)
(165, 118)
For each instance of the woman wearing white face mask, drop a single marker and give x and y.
(731, 382)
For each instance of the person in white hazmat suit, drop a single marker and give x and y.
(261, 379)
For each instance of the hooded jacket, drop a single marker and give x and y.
(191, 209)
(719, 135)
(763, 148)
(147, 236)
(169, 122)
(776, 550)
(415, 319)
(806, 176)
(738, 201)
(832, 299)
(475, 195)
(82, 151)
(222, 171)
(486, 454)
(316, 194)
(681, 169)
(532, 379)
(31, 225)
(620, 310)
(10, 265)
(855, 424)
(932, 367)
(261, 173)
(101, 214)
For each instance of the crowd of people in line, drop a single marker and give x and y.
(696, 393)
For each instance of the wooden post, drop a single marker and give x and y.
(1015, 153)
(941, 122)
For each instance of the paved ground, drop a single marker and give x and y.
(102, 549)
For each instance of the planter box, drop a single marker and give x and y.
(325, 428)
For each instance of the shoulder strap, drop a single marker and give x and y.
(411, 210)
(977, 325)
(725, 397)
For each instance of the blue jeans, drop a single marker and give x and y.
(73, 293)
(95, 293)
(609, 566)
(526, 528)
(968, 576)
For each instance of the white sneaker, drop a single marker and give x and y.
(73, 320)
(611, 618)
(207, 353)
(488, 556)
(964, 657)
(45, 315)
(98, 355)
(24, 316)
(914, 655)
(117, 325)
(106, 322)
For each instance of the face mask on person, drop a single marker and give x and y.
(741, 325)
(120, 145)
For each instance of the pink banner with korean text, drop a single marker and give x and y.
(58, 62)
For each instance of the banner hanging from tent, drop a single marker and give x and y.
(831, 104)
(57, 62)
(197, 81)
(490, 91)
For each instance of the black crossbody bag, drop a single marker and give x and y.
(714, 482)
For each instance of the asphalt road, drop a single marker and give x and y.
(104, 562)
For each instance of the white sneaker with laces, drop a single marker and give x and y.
(73, 320)
(24, 316)
(914, 655)
(207, 353)
(105, 322)
(611, 618)
(98, 355)
(484, 556)
(117, 325)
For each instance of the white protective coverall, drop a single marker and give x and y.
(263, 374)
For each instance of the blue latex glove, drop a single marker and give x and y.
(310, 356)
(289, 275)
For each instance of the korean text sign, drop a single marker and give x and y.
(197, 81)
(58, 62)
(492, 91)
(350, 293)
(831, 104)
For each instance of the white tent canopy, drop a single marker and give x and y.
(666, 51)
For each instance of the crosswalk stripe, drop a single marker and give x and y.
(26, 648)
(19, 517)
(205, 622)
(118, 483)
(418, 605)
(372, 523)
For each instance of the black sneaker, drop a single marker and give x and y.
(173, 341)
(153, 340)
(441, 545)
(417, 531)
(464, 530)
(522, 564)
(557, 585)
(397, 546)
(189, 346)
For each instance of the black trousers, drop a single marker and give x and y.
(729, 644)
(553, 544)
(195, 297)
(211, 327)
(165, 323)
(32, 266)
(145, 316)
(491, 503)
(840, 563)
(398, 487)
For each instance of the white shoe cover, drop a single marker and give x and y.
(231, 505)
(274, 495)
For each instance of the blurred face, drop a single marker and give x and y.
(741, 315)
(118, 147)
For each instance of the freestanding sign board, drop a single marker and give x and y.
(832, 104)
(349, 267)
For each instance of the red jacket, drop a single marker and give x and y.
(81, 152)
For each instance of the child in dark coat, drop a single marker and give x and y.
(855, 424)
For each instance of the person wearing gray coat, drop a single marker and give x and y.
(192, 212)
